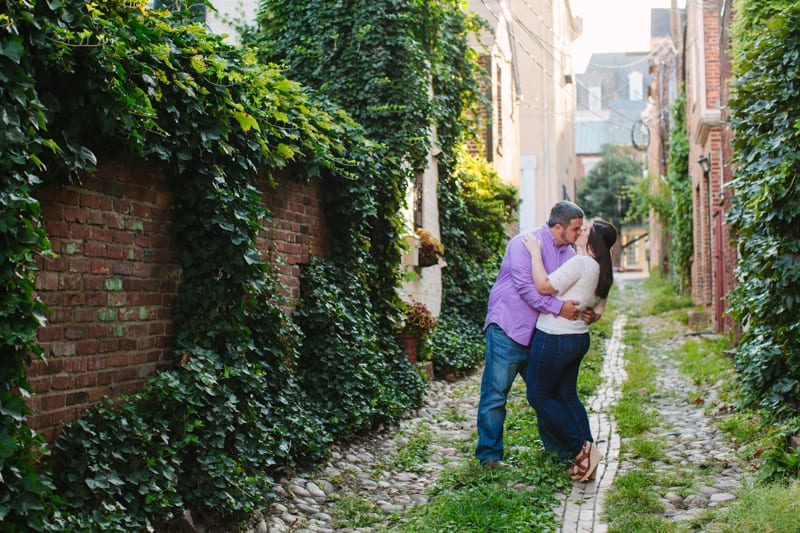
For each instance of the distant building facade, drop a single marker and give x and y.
(611, 101)
(533, 41)
(666, 61)
(611, 105)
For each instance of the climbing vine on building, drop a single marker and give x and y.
(679, 182)
(114, 80)
(407, 72)
(765, 215)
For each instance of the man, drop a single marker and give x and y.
(514, 307)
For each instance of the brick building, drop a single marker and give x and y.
(707, 69)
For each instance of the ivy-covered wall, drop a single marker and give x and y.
(111, 287)
(764, 106)
(109, 291)
(89, 83)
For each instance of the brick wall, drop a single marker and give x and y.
(295, 231)
(703, 107)
(115, 277)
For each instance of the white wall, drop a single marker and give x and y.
(230, 9)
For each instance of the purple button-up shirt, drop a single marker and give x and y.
(514, 302)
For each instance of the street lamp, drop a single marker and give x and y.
(705, 163)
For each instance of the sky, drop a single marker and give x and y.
(613, 26)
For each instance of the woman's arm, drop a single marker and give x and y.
(540, 278)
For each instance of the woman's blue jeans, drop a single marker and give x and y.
(504, 359)
(552, 378)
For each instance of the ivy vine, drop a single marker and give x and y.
(764, 105)
(113, 80)
(679, 221)
(256, 389)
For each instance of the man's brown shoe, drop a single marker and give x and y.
(494, 464)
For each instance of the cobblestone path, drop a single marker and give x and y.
(307, 501)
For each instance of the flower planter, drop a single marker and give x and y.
(430, 249)
(427, 260)
(409, 342)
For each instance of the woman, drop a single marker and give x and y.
(559, 344)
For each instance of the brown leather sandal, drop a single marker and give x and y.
(584, 467)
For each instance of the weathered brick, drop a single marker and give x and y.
(77, 398)
(97, 363)
(62, 382)
(39, 385)
(74, 215)
(63, 349)
(96, 218)
(94, 249)
(116, 299)
(116, 253)
(86, 380)
(75, 332)
(108, 346)
(86, 347)
(73, 299)
(75, 364)
(119, 359)
(113, 284)
(58, 229)
(52, 402)
(103, 268)
(47, 281)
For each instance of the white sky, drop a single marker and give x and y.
(613, 26)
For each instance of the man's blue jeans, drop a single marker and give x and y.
(552, 377)
(504, 359)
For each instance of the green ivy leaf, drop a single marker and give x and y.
(246, 121)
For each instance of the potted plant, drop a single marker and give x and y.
(430, 248)
(418, 325)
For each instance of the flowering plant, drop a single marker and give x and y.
(419, 321)
(430, 248)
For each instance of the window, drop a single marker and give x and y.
(631, 254)
(635, 86)
(595, 98)
(419, 179)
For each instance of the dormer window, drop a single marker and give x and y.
(635, 86)
(595, 98)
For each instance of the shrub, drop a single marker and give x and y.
(458, 344)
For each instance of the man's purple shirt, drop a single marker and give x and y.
(514, 302)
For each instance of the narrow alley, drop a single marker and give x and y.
(305, 503)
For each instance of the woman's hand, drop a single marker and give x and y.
(532, 244)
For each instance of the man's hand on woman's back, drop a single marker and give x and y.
(570, 310)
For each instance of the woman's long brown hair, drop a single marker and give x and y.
(602, 237)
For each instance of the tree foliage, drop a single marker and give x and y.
(479, 209)
(474, 234)
(605, 190)
(765, 216)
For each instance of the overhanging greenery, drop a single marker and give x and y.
(113, 79)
